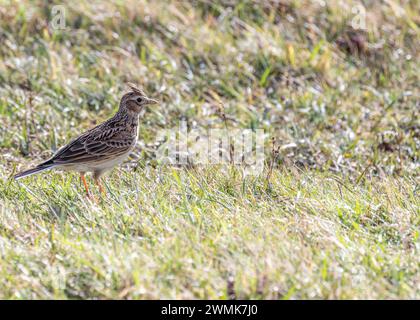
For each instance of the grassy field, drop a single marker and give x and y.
(334, 215)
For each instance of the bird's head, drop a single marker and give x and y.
(135, 100)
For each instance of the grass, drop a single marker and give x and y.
(334, 215)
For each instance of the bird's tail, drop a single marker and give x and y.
(42, 167)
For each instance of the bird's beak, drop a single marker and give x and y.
(152, 101)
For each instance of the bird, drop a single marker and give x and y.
(103, 147)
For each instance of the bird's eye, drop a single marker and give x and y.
(139, 100)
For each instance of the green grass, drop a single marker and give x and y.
(338, 216)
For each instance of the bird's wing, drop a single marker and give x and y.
(95, 146)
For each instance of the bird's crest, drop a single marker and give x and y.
(135, 89)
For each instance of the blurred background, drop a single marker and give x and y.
(334, 82)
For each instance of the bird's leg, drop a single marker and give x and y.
(101, 188)
(82, 176)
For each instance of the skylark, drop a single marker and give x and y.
(103, 147)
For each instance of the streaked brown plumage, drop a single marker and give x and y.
(103, 147)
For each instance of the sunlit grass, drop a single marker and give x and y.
(338, 216)
(156, 236)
